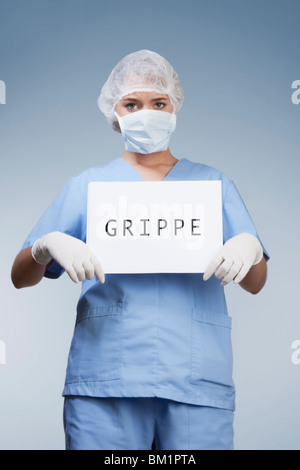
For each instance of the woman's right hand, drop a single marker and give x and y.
(72, 254)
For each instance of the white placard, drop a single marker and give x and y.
(155, 226)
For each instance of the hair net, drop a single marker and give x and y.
(140, 71)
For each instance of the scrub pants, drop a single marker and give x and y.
(144, 424)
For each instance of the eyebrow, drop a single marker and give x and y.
(162, 98)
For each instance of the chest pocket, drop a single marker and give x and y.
(96, 348)
(211, 362)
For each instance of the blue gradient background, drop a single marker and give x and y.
(237, 61)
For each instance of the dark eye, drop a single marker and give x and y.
(160, 105)
(130, 106)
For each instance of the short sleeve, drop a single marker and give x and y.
(66, 214)
(236, 218)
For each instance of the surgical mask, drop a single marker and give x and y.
(147, 131)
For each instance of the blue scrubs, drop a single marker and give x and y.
(148, 335)
(144, 424)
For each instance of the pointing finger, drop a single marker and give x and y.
(213, 266)
(98, 270)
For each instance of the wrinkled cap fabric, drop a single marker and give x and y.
(140, 71)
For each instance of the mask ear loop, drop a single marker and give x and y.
(119, 120)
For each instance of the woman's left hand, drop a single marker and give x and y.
(235, 259)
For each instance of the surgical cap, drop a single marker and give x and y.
(140, 71)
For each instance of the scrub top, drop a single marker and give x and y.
(148, 335)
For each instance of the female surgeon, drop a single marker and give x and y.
(150, 363)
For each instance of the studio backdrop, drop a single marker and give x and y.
(238, 61)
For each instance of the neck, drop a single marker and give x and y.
(151, 159)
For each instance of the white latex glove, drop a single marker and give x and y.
(70, 253)
(235, 259)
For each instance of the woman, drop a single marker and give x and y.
(150, 362)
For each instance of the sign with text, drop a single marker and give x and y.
(155, 226)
